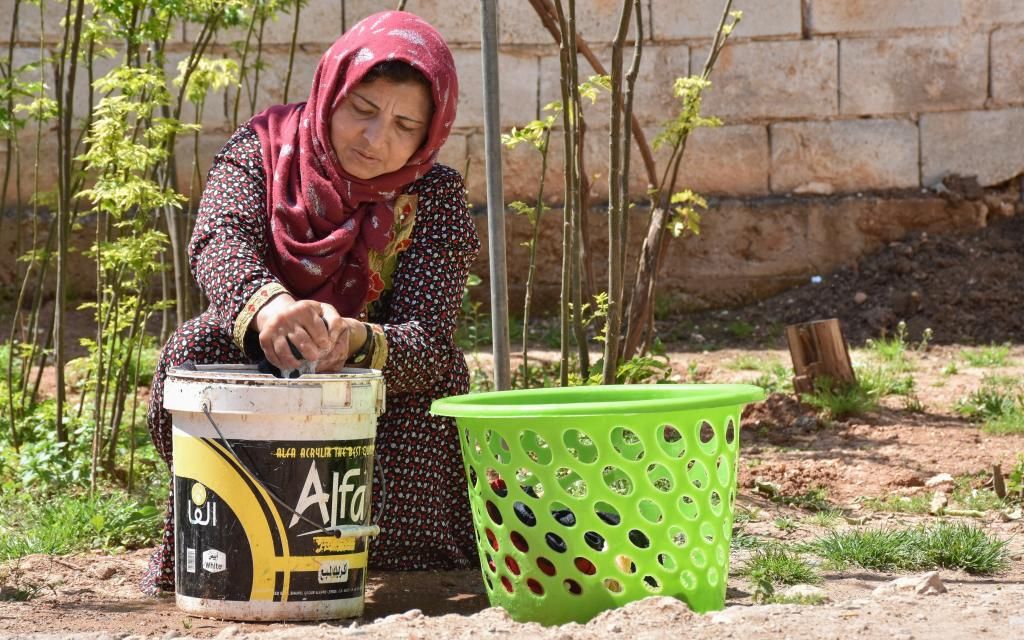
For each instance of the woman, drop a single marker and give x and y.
(328, 224)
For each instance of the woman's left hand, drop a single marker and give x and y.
(352, 337)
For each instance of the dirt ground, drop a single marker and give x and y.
(782, 443)
(966, 288)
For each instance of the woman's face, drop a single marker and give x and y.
(379, 126)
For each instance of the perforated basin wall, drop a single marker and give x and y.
(586, 498)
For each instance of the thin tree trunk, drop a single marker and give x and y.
(577, 215)
(639, 330)
(291, 50)
(242, 69)
(615, 202)
(98, 393)
(546, 12)
(567, 230)
(66, 81)
(135, 404)
(9, 160)
(120, 392)
(531, 272)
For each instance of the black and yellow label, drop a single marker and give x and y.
(235, 541)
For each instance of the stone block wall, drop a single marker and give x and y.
(818, 97)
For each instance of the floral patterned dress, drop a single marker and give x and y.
(427, 523)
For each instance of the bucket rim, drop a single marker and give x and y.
(249, 373)
(587, 401)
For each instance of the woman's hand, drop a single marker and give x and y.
(351, 338)
(315, 328)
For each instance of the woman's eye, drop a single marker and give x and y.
(361, 111)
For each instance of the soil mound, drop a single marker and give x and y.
(967, 288)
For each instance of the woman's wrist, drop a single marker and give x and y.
(361, 355)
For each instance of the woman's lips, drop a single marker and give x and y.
(365, 156)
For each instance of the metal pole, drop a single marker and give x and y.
(495, 195)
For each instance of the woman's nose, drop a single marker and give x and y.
(374, 132)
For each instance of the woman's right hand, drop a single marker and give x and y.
(313, 327)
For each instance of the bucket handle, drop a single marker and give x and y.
(344, 531)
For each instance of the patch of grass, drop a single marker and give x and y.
(827, 518)
(945, 545)
(966, 494)
(994, 355)
(879, 382)
(892, 351)
(918, 503)
(749, 362)
(778, 378)
(838, 402)
(802, 600)
(65, 523)
(774, 566)
(747, 541)
(998, 404)
(786, 524)
(1005, 425)
(951, 369)
(1015, 478)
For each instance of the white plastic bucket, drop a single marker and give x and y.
(272, 488)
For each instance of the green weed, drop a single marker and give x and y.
(892, 351)
(802, 600)
(1015, 478)
(918, 503)
(747, 541)
(838, 402)
(773, 566)
(998, 404)
(748, 362)
(1005, 425)
(827, 518)
(945, 545)
(994, 355)
(785, 524)
(68, 522)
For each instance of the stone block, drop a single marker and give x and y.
(596, 113)
(517, 87)
(48, 162)
(761, 80)
(459, 23)
(729, 160)
(935, 72)
(986, 144)
(320, 22)
(653, 103)
(520, 168)
(844, 156)
(1007, 65)
(674, 20)
(455, 152)
(857, 16)
(27, 29)
(993, 11)
(659, 67)
(598, 20)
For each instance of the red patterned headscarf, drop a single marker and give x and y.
(324, 221)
